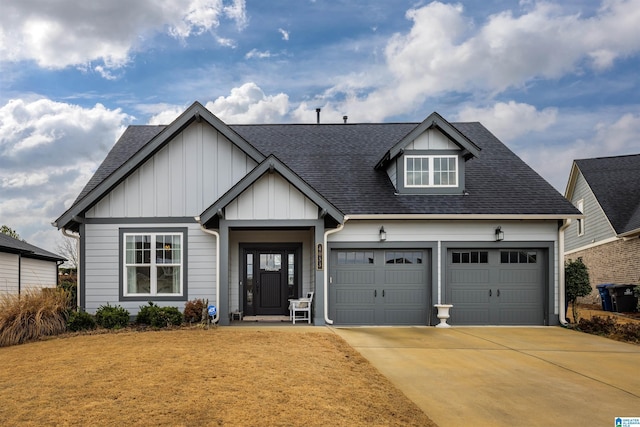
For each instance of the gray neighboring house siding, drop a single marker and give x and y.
(24, 266)
(609, 247)
(287, 204)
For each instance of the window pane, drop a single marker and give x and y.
(168, 280)
(532, 257)
(484, 257)
(270, 262)
(504, 257)
(456, 258)
(138, 280)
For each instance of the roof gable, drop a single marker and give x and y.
(269, 165)
(433, 121)
(615, 183)
(137, 146)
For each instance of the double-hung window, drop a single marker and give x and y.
(153, 264)
(430, 171)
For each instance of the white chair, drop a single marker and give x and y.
(302, 305)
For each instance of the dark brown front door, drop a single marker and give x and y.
(270, 279)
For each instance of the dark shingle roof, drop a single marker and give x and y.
(338, 161)
(9, 244)
(615, 182)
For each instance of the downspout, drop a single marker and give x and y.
(562, 296)
(217, 235)
(79, 263)
(326, 269)
(19, 273)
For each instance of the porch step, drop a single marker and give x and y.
(266, 319)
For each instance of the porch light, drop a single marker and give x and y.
(383, 234)
(499, 234)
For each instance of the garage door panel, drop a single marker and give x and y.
(470, 276)
(385, 288)
(354, 296)
(503, 287)
(519, 276)
(395, 277)
(355, 277)
(465, 295)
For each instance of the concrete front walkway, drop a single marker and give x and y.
(506, 376)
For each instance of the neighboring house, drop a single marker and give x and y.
(381, 221)
(607, 191)
(24, 266)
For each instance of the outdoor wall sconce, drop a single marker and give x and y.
(383, 234)
(499, 234)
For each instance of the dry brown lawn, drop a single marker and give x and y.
(191, 377)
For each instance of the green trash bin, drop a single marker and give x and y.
(622, 298)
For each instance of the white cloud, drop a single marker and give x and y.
(285, 34)
(510, 120)
(255, 53)
(166, 115)
(249, 104)
(580, 135)
(70, 33)
(48, 152)
(446, 51)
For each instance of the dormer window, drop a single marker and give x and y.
(436, 171)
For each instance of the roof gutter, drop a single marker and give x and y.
(465, 216)
(75, 237)
(326, 272)
(562, 290)
(217, 235)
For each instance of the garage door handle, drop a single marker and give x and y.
(383, 293)
(489, 292)
(375, 292)
(498, 292)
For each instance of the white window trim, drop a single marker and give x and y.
(431, 171)
(580, 222)
(153, 291)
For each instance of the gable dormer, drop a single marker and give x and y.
(430, 159)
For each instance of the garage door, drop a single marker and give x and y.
(379, 287)
(496, 287)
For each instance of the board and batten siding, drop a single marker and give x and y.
(596, 224)
(271, 197)
(8, 273)
(181, 180)
(102, 257)
(431, 139)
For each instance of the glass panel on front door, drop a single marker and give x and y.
(249, 284)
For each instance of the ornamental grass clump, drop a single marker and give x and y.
(33, 314)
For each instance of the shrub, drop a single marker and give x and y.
(598, 325)
(193, 310)
(112, 317)
(576, 283)
(80, 321)
(32, 314)
(629, 332)
(70, 286)
(159, 317)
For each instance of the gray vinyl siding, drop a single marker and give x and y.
(182, 179)
(8, 273)
(102, 257)
(596, 225)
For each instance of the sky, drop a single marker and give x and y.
(554, 80)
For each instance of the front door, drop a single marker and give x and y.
(270, 278)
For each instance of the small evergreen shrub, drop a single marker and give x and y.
(32, 314)
(159, 317)
(112, 317)
(80, 321)
(193, 311)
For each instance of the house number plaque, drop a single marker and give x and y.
(319, 256)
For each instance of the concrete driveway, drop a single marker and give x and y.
(544, 376)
